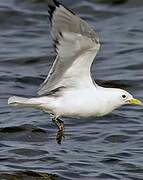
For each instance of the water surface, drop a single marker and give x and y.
(110, 147)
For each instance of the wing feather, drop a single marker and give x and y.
(76, 45)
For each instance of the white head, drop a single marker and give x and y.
(122, 97)
(114, 98)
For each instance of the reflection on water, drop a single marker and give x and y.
(106, 148)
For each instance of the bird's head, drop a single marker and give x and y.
(112, 98)
(121, 97)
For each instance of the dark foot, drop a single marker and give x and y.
(60, 133)
(60, 136)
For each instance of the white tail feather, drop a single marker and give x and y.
(15, 101)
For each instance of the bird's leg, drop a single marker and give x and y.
(59, 123)
(60, 133)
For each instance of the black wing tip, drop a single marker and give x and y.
(52, 2)
(52, 5)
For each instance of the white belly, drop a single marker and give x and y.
(79, 103)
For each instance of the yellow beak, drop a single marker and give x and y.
(135, 102)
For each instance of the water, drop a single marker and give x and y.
(107, 148)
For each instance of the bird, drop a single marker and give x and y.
(69, 89)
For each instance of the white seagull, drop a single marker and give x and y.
(69, 89)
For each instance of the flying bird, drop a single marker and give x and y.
(69, 89)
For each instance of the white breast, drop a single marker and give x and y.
(84, 103)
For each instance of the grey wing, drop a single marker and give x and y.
(76, 45)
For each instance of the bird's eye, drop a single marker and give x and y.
(123, 96)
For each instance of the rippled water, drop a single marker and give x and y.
(107, 148)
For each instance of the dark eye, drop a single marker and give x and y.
(124, 96)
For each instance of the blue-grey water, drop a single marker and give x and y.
(110, 147)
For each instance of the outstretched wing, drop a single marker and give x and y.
(76, 46)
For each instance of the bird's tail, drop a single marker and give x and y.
(15, 101)
(20, 101)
